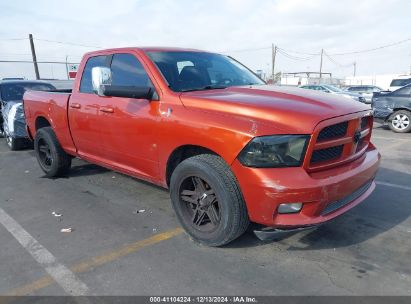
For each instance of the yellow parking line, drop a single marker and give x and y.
(123, 251)
(31, 287)
(97, 261)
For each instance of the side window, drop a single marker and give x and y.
(85, 85)
(128, 71)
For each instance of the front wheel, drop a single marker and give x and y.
(208, 201)
(50, 155)
(400, 121)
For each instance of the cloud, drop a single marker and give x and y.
(295, 25)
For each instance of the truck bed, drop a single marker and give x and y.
(49, 107)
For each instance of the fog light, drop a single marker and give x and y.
(290, 208)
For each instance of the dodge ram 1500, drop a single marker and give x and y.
(230, 149)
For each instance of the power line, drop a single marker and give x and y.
(281, 51)
(70, 43)
(316, 54)
(248, 50)
(12, 39)
(30, 61)
(302, 53)
(373, 49)
(15, 54)
(41, 56)
(337, 63)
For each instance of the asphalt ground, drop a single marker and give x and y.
(114, 249)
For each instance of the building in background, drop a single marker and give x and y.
(383, 80)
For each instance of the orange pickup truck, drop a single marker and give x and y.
(230, 149)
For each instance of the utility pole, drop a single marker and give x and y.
(355, 68)
(33, 53)
(274, 53)
(321, 64)
(67, 69)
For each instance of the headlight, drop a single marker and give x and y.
(274, 151)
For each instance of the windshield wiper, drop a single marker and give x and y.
(208, 87)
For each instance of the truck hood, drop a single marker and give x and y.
(287, 109)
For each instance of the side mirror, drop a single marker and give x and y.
(100, 77)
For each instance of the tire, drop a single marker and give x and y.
(14, 143)
(400, 121)
(50, 155)
(208, 201)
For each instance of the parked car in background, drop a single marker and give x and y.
(394, 108)
(399, 82)
(230, 148)
(12, 122)
(13, 78)
(327, 88)
(366, 91)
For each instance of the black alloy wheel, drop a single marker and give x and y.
(200, 204)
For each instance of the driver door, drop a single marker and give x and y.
(128, 125)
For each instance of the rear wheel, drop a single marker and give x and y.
(50, 155)
(14, 143)
(208, 201)
(400, 121)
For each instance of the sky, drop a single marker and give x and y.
(243, 29)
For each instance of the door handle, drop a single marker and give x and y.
(107, 110)
(75, 105)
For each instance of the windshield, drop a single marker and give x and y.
(332, 88)
(15, 91)
(192, 71)
(358, 89)
(400, 82)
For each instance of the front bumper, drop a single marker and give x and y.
(336, 190)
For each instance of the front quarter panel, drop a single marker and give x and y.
(222, 134)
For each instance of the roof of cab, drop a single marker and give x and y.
(147, 49)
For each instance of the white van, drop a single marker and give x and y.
(399, 82)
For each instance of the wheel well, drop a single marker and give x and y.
(404, 109)
(182, 153)
(41, 122)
